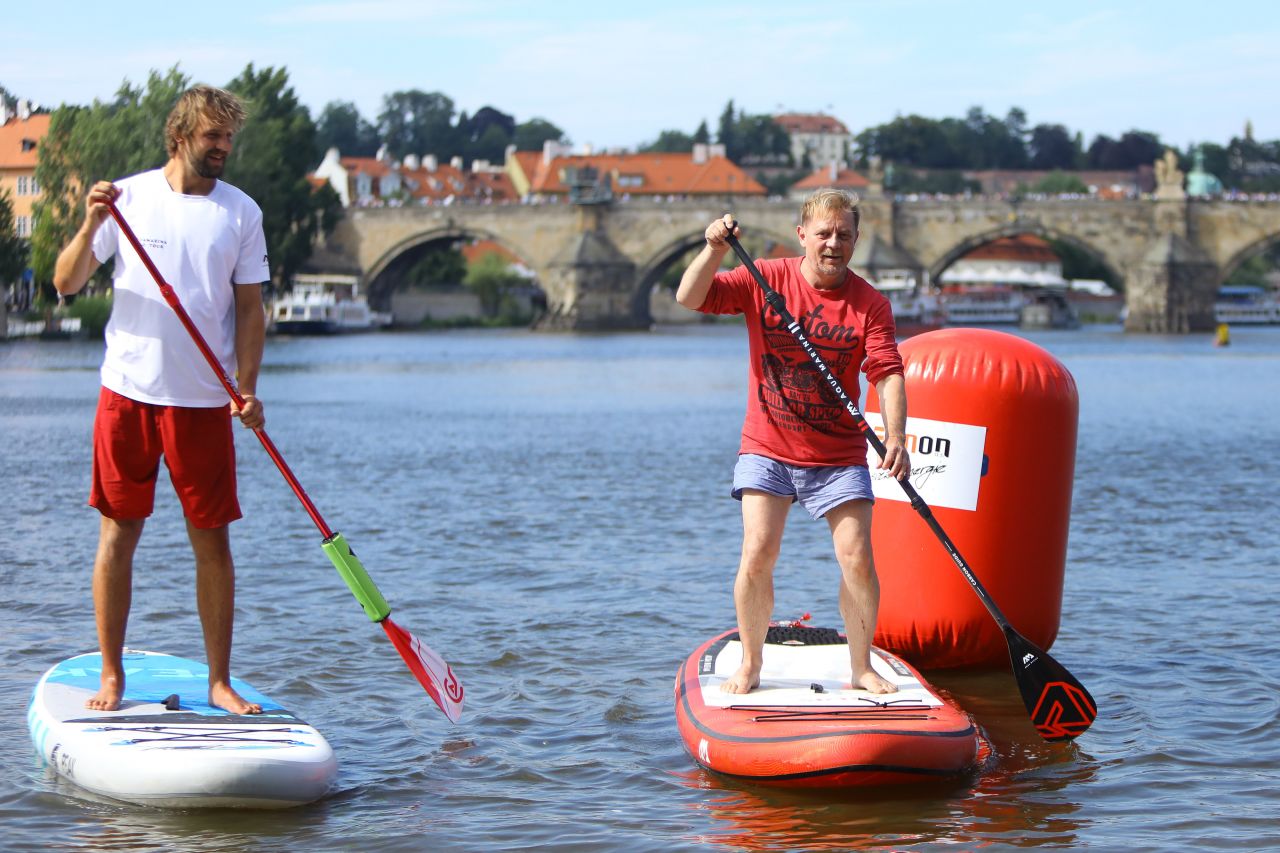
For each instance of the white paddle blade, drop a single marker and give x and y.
(431, 670)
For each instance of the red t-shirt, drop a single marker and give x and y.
(793, 415)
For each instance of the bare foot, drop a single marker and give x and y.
(108, 696)
(871, 682)
(744, 680)
(222, 696)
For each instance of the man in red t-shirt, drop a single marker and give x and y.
(798, 443)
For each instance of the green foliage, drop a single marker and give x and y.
(13, 249)
(1057, 183)
(669, 141)
(105, 141)
(417, 122)
(1078, 263)
(93, 311)
(530, 135)
(436, 268)
(492, 279)
(753, 139)
(341, 126)
(1257, 269)
(938, 181)
(270, 161)
(1133, 149)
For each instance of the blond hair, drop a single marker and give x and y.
(830, 200)
(221, 108)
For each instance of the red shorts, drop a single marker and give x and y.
(198, 448)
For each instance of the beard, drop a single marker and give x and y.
(207, 168)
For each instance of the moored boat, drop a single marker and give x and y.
(321, 307)
(1246, 304)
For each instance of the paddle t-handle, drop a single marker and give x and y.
(1059, 705)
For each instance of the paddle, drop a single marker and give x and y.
(1060, 707)
(432, 672)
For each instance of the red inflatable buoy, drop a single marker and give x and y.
(992, 434)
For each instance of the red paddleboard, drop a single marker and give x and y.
(804, 726)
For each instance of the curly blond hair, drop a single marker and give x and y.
(220, 107)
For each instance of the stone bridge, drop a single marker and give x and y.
(597, 262)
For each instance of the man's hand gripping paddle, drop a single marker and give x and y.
(432, 672)
(1060, 707)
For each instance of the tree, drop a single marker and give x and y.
(727, 132)
(13, 249)
(436, 267)
(270, 162)
(492, 279)
(341, 126)
(669, 141)
(417, 122)
(104, 141)
(1052, 147)
(486, 135)
(530, 135)
(1059, 183)
(702, 136)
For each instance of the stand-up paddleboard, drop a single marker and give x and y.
(166, 746)
(804, 726)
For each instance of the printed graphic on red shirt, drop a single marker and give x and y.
(794, 394)
(793, 414)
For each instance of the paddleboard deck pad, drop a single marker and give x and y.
(166, 746)
(805, 727)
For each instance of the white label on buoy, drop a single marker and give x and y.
(946, 462)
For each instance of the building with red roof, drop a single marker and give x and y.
(556, 173)
(380, 180)
(20, 136)
(819, 137)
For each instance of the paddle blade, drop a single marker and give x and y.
(431, 670)
(1060, 707)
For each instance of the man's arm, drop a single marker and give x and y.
(76, 262)
(696, 281)
(251, 334)
(892, 392)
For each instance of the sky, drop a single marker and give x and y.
(617, 74)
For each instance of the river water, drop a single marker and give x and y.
(550, 513)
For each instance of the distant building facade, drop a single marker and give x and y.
(818, 137)
(383, 181)
(557, 174)
(20, 136)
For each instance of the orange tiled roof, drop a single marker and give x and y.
(477, 250)
(845, 179)
(650, 174)
(1020, 247)
(12, 135)
(445, 181)
(809, 123)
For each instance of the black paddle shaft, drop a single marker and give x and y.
(1059, 705)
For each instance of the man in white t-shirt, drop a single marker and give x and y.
(159, 399)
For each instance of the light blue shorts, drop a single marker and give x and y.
(819, 490)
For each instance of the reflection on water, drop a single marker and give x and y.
(550, 513)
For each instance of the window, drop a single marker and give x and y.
(22, 185)
(22, 225)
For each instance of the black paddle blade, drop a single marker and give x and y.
(1060, 707)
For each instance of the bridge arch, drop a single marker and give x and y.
(379, 288)
(1022, 226)
(650, 271)
(1255, 248)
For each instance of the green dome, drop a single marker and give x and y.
(1200, 182)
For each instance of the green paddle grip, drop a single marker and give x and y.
(357, 579)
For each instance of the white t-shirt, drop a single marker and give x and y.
(203, 245)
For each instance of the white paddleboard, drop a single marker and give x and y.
(166, 746)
